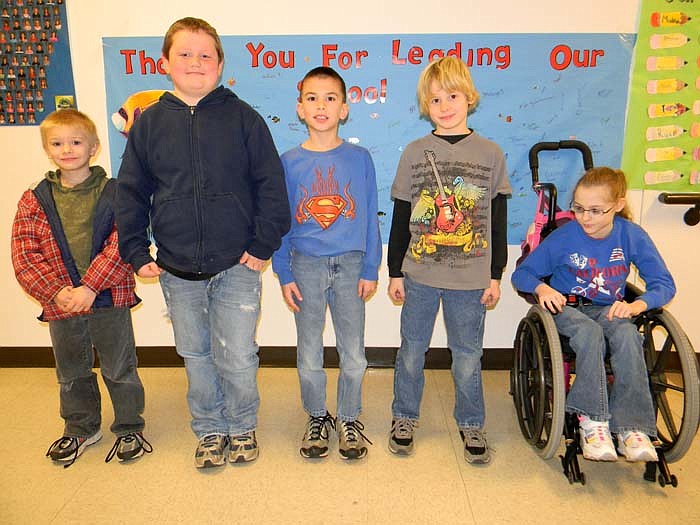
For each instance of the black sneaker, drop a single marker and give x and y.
(129, 447)
(476, 450)
(211, 451)
(69, 448)
(314, 444)
(351, 440)
(243, 448)
(401, 436)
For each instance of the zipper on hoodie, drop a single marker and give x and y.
(198, 218)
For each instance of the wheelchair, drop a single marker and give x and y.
(543, 363)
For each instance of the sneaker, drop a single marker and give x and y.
(401, 436)
(243, 448)
(596, 442)
(315, 441)
(129, 447)
(69, 448)
(476, 450)
(351, 440)
(211, 451)
(636, 446)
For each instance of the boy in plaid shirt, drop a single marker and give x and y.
(65, 255)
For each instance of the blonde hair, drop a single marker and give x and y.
(192, 25)
(451, 74)
(614, 180)
(68, 117)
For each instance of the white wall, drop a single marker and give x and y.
(90, 20)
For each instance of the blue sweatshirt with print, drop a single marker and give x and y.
(333, 202)
(597, 268)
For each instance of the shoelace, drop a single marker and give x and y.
(316, 425)
(596, 435)
(403, 428)
(474, 438)
(351, 429)
(147, 448)
(243, 439)
(68, 442)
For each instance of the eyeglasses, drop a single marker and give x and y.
(595, 212)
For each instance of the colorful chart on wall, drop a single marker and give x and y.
(534, 87)
(36, 76)
(662, 138)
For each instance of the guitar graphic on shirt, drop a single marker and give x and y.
(449, 217)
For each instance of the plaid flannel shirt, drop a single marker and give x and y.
(41, 272)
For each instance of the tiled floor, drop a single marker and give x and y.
(433, 486)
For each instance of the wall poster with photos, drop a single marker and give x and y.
(36, 75)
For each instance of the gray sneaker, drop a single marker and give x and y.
(315, 441)
(69, 448)
(401, 436)
(129, 447)
(476, 450)
(351, 440)
(211, 451)
(243, 448)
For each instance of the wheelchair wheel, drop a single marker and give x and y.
(537, 381)
(676, 395)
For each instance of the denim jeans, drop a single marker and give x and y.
(464, 321)
(214, 322)
(629, 405)
(332, 282)
(109, 331)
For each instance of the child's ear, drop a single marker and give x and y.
(300, 111)
(620, 205)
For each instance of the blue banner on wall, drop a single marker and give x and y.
(533, 87)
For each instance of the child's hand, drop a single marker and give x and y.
(251, 262)
(396, 290)
(81, 299)
(549, 298)
(625, 310)
(491, 294)
(149, 270)
(291, 294)
(366, 289)
(63, 298)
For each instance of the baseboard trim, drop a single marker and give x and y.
(270, 356)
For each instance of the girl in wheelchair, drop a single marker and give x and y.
(579, 274)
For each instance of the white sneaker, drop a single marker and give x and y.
(596, 441)
(636, 446)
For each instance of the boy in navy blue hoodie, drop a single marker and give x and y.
(330, 258)
(201, 168)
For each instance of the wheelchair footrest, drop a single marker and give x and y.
(665, 477)
(569, 461)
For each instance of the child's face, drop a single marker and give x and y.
(448, 110)
(193, 65)
(321, 106)
(70, 148)
(595, 210)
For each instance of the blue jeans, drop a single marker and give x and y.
(332, 282)
(214, 322)
(110, 332)
(629, 405)
(464, 321)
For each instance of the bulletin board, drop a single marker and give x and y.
(662, 138)
(36, 76)
(534, 87)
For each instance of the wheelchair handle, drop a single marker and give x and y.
(582, 147)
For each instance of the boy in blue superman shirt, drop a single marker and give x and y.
(330, 257)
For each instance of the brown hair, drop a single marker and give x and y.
(614, 180)
(451, 74)
(68, 117)
(324, 72)
(193, 25)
